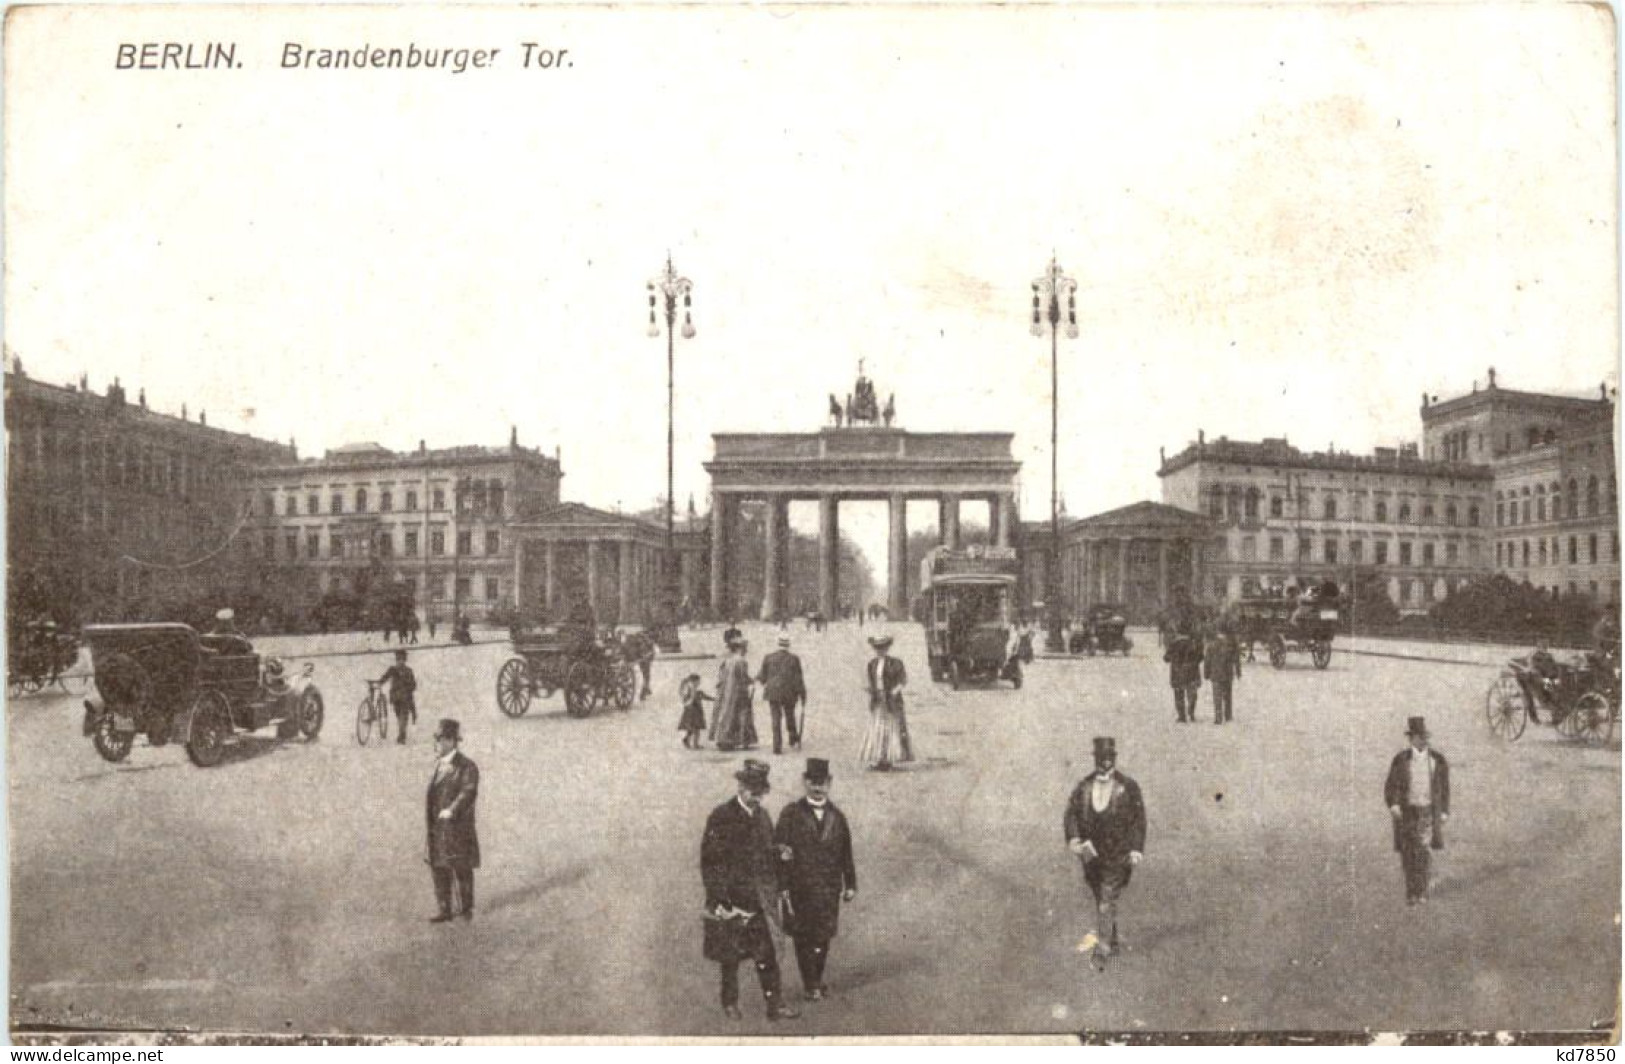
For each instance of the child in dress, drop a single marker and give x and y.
(693, 719)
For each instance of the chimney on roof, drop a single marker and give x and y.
(293, 445)
(202, 417)
(84, 382)
(1475, 385)
(183, 412)
(1424, 400)
(142, 398)
(17, 365)
(1201, 438)
(423, 448)
(1603, 388)
(1492, 377)
(513, 437)
(1162, 456)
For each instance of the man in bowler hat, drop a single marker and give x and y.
(815, 845)
(741, 869)
(1105, 828)
(785, 689)
(1417, 794)
(454, 844)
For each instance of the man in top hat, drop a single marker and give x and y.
(454, 843)
(816, 847)
(741, 870)
(1417, 794)
(785, 688)
(1105, 828)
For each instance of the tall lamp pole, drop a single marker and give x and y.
(1050, 291)
(666, 292)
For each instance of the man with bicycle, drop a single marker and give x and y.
(403, 687)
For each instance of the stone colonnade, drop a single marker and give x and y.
(635, 565)
(725, 511)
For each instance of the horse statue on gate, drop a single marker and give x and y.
(862, 408)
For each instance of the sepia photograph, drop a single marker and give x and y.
(1080, 522)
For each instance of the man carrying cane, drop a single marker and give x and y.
(784, 688)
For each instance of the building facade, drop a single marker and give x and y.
(438, 522)
(113, 507)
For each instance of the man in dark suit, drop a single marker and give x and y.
(1417, 794)
(1105, 828)
(741, 870)
(454, 843)
(784, 688)
(1183, 655)
(816, 846)
(1221, 660)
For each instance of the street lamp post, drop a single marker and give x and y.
(666, 292)
(1049, 292)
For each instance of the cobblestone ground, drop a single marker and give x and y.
(284, 890)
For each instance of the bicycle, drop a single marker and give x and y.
(373, 710)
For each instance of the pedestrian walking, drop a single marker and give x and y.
(1417, 794)
(403, 686)
(815, 845)
(734, 725)
(1221, 660)
(1105, 828)
(785, 688)
(741, 869)
(431, 627)
(640, 650)
(887, 740)
(454, 843)
(412, 628)
(1184, 658)
(692, 722)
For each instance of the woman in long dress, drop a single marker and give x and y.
(886, 742)
(734, 726)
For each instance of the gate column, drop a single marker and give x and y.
(829, 555)
(773, 562)
(719, 555)
(1006, 506)
(550, 587)
(948, 521)
(897, 558)
(626, 570)
(592, 578)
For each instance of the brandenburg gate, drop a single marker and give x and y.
(856, 458)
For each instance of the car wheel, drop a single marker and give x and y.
(112, 744)
(210, 725)
(311, 713)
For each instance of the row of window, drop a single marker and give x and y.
(1235, 504)
(476, 497)
(1331, 553)
(117, 463)
(1517, 504)
(381, 544)
(434, 588)
(1507, 554)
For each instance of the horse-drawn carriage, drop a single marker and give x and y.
(1290, 625)
(165, 681)
(1579, 699)
(591, 670)
(1104, 630)
(966, 603)
(38, 654)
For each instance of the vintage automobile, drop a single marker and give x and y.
(1102, 631)
(966, 601)
(591, 669)
(165, 681)
(38, 654)
(1290, 624)
(1579, 699)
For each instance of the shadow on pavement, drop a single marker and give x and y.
(564, 877)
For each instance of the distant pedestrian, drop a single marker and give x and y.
(386, 631)
(692, 722)
(1417, 794)
(741, 869)
(403, 686)
(454, 843)
(431, 627)
(816, 845)
(1105, 828)
(785, 688)
(734, 725)
(1184, 658)
(887, 739)
(640, 650)
(1221, 661)
(412, 629)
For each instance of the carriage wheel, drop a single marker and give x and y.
(1594, 720)
(32, 679)
(513, 688)
(312, 711)
(625, 691)
(1278, 652)
(1504, 706)
(580, 688)
(1567, 723)
(112, 744)
(211, 723)
(363, 721)
(1321, 654)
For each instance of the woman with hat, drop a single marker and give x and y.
(1417, 794)
(734, 725)
(887, 740)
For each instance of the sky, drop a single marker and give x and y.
(1287, 220)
